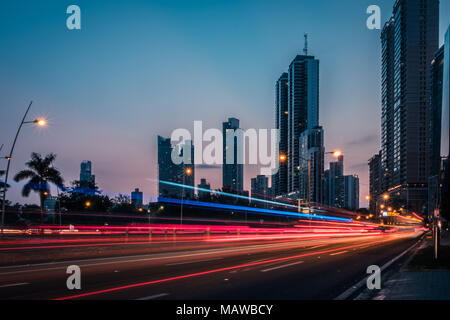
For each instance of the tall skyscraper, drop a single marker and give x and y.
(303, 109)
(410, 50)
(445, 127)
(445, 137)
(175, 173)
(387, 104)
(232, 173)
(87, 179)
(279, 180)
(311, 174)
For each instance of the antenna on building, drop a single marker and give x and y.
(305, 50)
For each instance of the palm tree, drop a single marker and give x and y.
(40, 173)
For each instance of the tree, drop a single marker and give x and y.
(40, 173)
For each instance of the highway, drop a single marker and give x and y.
(220, 267)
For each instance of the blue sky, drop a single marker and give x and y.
(142, 68)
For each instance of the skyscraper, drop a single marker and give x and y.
(279, 180)
(303, 109)
(334, 183)
(233, 171)
(174, 173)
(87, 179)
(311, 165)
(445, 136)
(410, 50)
(387, 104)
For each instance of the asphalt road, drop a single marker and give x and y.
(266, 269)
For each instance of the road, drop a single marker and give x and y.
(279, 269)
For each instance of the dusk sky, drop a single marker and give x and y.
(138, 69)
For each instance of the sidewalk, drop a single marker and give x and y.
(420, 278)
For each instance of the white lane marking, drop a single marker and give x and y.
(195, 261)
(283, 266)
(14, 285)
(155, 296)
(336, 253)
(320, 245)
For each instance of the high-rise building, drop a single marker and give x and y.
(233, 171)
(436, 73)
(87, 179)
(260, 186)
(334, 184)
(445, 136)
(375, 181)
(387, 103)
(137, 198)
(311, 165)
(175, 173)
(445, 128)
(410, 50)
(279, 180)
(351, 193)
(303, 109)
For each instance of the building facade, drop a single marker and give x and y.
(137, 198)
(303, 110)
(178, 174)
(279, 180)
(375, 181)
(87, 179)
(311, 165)
(232, 173)
(409, 42)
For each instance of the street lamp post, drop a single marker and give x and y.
(188, 172)
(39, 122)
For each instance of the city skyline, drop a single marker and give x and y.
(118, 155)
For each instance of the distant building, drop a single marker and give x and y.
(334, 184)
(169, 172)
(375, 181)
(260, 186)
(202, 194)
(279, 180)
(87, 179)
(312, 150)
(137, 198)
(232, 173)
(351, 193)
(436, 97)
(50, 204)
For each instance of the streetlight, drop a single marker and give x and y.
(40, 123)
(188, 172)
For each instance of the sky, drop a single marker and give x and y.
(139, 69)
